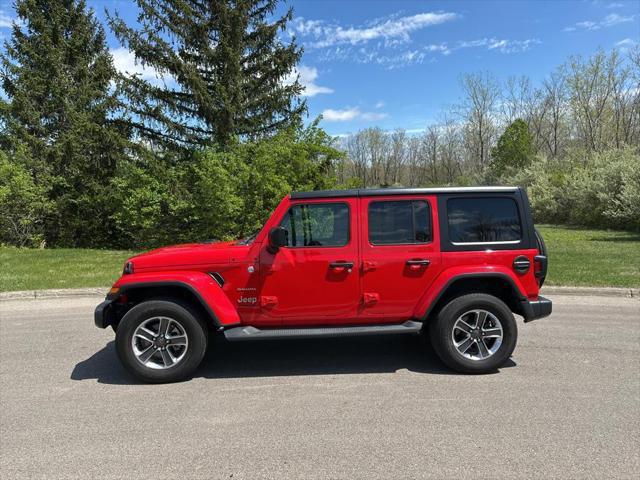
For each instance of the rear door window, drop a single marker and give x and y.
(483, 220)
(399, 222)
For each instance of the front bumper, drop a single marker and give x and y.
(535, 309)
(103, 315)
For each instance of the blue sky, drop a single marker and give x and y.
(398, 63)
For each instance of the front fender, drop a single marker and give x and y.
(199, 284)
(450, 275)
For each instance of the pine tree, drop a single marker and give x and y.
(57, 75)
(227, 66)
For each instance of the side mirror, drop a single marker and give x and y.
(277, 239)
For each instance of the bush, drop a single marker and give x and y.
(217, 194)
(600, 190)
(619, 171)
(23, 204)
(153, 204)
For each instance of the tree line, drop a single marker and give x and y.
(573, 141)
(92, 157)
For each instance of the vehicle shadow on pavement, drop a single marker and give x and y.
(280, 358)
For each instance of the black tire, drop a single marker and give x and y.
(441, 333)
(193, 328)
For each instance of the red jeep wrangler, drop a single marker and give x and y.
(458, 261)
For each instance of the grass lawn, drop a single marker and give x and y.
(577, 257)
(32, 269)
(596, 258)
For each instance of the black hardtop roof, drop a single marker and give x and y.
(372, 192)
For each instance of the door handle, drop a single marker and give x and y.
(418, 262)
(341, 266)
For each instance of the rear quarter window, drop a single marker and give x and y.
(483, 220)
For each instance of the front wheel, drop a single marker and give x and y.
(160, 341)
(474, 333)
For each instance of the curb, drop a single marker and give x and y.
(57, 293)
(592, 291)
(102, 291)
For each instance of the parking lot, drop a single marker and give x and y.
(566, 406)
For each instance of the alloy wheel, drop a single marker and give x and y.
(160, 343)
(477, 334)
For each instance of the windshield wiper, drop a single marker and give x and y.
(249, 239)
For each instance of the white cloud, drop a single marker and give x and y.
(625, 44)
(125, 62)
(408, 131)
(6, 21)
(512, 46)
(501, 45)
(331, 115)
(372, 116)
(307, 77)
(394, 58)
(393, 30)
(608, 21)
(438, 48)
(379, 104)
(615, 5)
(388, 41)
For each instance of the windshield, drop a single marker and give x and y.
(249, 239)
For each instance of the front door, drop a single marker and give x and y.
(400, 255)
(313, 280)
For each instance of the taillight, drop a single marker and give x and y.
(540, 268)
(541, 260)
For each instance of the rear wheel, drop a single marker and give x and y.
(160, 341)
(474, 333)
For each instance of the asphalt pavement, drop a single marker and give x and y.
(567, 405)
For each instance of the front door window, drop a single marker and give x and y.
(317, 225)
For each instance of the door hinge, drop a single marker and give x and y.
(268, 301)
(370, 298)
(368, 265)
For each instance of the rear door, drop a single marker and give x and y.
(400, 254)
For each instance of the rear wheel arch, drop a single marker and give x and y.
(498, 285)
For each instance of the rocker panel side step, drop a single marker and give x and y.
(237, 334)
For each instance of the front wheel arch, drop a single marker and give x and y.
(178, 292)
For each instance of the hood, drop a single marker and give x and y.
(188, 255)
